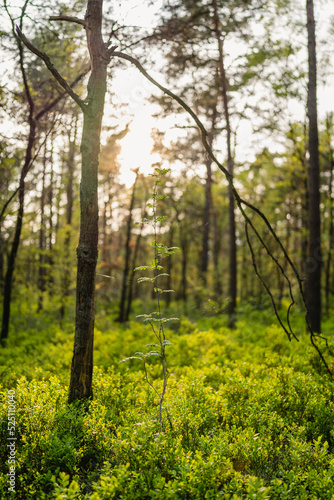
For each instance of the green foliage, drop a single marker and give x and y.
(249, 416)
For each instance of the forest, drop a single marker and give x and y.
(167, 249)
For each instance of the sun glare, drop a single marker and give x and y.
(137, 148)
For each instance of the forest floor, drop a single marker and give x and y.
(247, 414)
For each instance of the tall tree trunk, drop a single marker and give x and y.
(169, 267)
(313, 278)
(208, 203)
(132, 274)
(206, 224)
(72, 145)
(2, 258)
(87, 251)
(41, 268)
(331, 216)
(218, 287)
(230, 167)
(122, 306)
(281, 281)
(184, 269)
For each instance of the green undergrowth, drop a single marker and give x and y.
(248, 414)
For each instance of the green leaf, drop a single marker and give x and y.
(142, 268)
(130, 357)
(152, 353)
(142, 279)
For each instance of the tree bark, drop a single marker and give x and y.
(331, 217)
(122, 307)
(132, 275)
(230, 168)
(313, 277)
(208, 203)
(72, 146)
(41, 268)
(87, 251)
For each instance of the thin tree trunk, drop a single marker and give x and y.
(132, 275)
(216, 252)
(284, 264)
(169, 267)
(184, 264)
(206, 224)
(208, 203)
(122, 306)
(72, 143)
(313, 277)
(331, 222)
(41, 268)
(230, 167)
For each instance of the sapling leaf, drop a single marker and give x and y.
(152, 345)
(164, 320)
(144, 278)
(130, 357)
(142, 268)
(166, 342)
(150, 320)
(152, 353)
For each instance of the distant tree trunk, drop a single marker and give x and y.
(72, 145)
(2, 258)
(16, 241)
(313, 277)
(122, 307)
(230, 167)
(41, 267)
(184, 264)
(331, 222)
(169, 267)
(207, 204)
(50, 203)
(206, 224)
(133, 266)
(216, 254)
(281, 281)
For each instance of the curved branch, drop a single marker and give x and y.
(70, 19)
(51, 68)
(241, 204)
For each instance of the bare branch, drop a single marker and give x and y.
(111, 50)
(53, 103)
(70, 19)
(241, 204)
(51, 68)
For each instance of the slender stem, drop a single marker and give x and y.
(161, 334)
